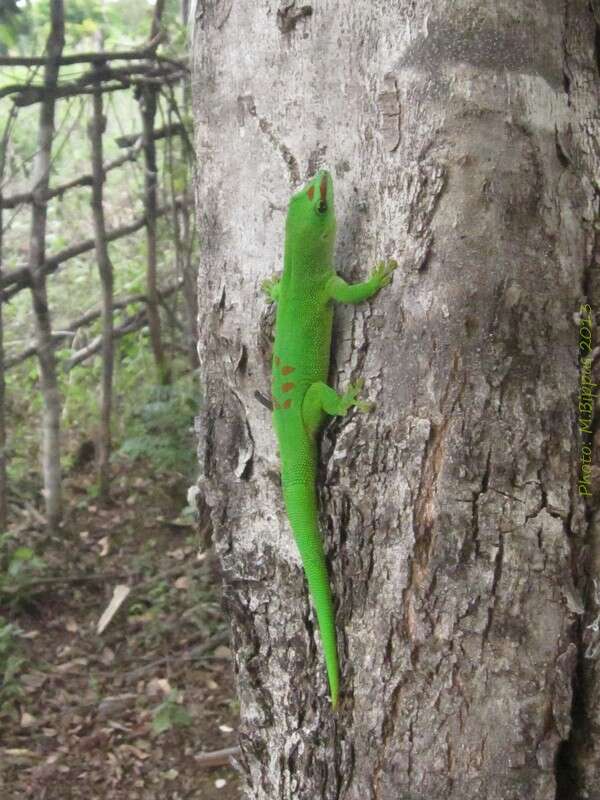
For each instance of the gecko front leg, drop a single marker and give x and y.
(337, 288)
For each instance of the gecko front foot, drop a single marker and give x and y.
(350, 397)
(382, 273)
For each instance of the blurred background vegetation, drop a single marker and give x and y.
(149, 421)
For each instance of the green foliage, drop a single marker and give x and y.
(75, 287)
(160, 427)
(24, 27)
(11, 663)
(170, 714)
(18, 565)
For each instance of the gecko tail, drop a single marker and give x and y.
(301, 505)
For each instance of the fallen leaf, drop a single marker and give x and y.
(129, 748)
(104, 545)
(72, 626)
(225, 729)
(116, 704)
(220, 783)
(222, 652)
(182, 583)
(27, 720)
(120, 592)
(33, 680)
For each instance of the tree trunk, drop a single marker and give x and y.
(105, 268)
(462, 137)
(37, 257)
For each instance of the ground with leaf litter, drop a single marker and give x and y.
(133, 711)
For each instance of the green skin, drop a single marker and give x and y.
(301, 397)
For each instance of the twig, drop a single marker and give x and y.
(159, 133)
(84, 180)
(217, 758)
(19, 278)
(131, 324)
(52, 580)
(143, 51)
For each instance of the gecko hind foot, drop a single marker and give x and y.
(350, 397)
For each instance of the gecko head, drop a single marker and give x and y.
(311, 211)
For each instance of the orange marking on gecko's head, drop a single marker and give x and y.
(311, 192)
(287, 403)
(287, 387)
(287, 369)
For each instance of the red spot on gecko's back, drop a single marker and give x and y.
(286, 370)
(287, 403)
(287, 387)
(311, 192)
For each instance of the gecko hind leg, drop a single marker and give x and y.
(321, 399)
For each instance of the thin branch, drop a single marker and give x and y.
(58, 337)
(144, 51)
(131, 324)
(96, 130)
(159, 133)
(37, 275)
(37, 94)
(84, 180)
(18, 278)
(217, 758)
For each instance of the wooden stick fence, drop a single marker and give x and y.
(149, 74)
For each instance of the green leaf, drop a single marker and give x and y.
(22, 554)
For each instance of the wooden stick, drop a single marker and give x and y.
(19, 277)
(217, 758)
(105, 268)
(84, 180)
(37, 94)
(159, 133)
(81, 58)
(86, 319)
(130, 325)
(148, 111)
(37, 273)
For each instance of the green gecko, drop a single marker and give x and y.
(301, 396)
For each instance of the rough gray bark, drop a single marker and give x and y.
(105, 269)
(3, 484)
(462, 136)
(37, 258)
(580, 144)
